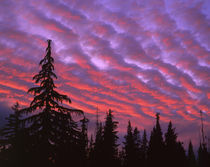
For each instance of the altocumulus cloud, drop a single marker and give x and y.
(135, 57)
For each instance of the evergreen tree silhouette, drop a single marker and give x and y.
(129, 147)
(174, 154)
(138, 143)
(132, 150)
(203, 156)
(144, 149)
(67, 142)
(110, 146)
(191, 156)
(91, 152)
(181, 155)
(156, 146)
(13, 139)
(83, 142)
(47, 116)
(97, 153)
(121, 156)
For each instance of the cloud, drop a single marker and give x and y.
(135, 57)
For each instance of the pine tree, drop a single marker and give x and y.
(47, 116)
(110, 146)
(91, 144)
(156, 146)
(144, 149)
(173, 149)
(67, 143)
(191, 156)
(97, 153)
(171, 146)
(181, 155)
(170, 136)
(83, 142)
(132, 147)
(137, 139)
(129, 147)
(203, 156)
(138, 143)
(13, 139)
(91, 152)
(121, 156)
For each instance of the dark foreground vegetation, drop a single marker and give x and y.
(46, 135)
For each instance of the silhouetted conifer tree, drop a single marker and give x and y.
(132, 149)
(67, 143)
(90, 151)
(83, 142)
(96, 155)
(156, 150)
(144, 149)
(110, 146)
(47, 116)
(138, 143)
(181, 155)
(174, 152)
(191, 156)
(129, 147)
(13, 140)
(91, 145)
(121, 156)
(203, 156)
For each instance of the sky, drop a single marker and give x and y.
(136, 57)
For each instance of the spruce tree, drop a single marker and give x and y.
(203, 156)
(174, 152)
(129, 147)
(191, 156)
(90, 152)
(97, 153)
(83, 142)
(132, 147)
(47, 116)
(144, 149)
(171, 146)
(156, 152)
(13, 139)
(137, 143)
(110, 146)
(137, 139)
(67, 143)
(181, 155)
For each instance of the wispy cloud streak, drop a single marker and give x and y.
(135, 57)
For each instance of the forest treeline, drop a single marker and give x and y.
(44, 134)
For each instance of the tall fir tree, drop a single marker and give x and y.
(67, 143)
(83, 142)
(156, 150)
(14, 139)
(144, 149)
(137, 140)
(132, 149)
(181, 155)
(191, 156)
(174, 155)
(90, 152)
(47, 116)
(110, 146)
(129, 147)
(97, 153)
(203, 156)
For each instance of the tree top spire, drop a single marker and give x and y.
(158, 116)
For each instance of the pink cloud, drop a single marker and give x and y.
(136, 58)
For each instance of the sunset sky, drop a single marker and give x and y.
(136, 57)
